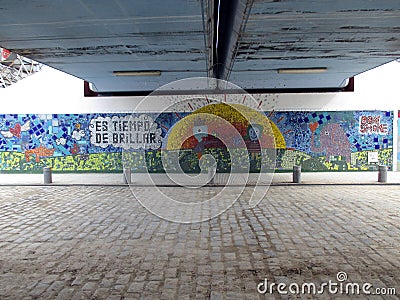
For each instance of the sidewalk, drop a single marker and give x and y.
(318, 178)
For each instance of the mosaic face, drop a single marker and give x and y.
(254, 131)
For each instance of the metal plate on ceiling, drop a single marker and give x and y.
(92, 39)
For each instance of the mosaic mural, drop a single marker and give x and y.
(318, 141)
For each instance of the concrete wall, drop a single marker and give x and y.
(51, 91)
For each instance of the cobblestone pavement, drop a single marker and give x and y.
(99, 243)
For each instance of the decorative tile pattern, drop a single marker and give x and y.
(317, 140)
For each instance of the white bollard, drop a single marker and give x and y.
(211, 175)
(127, 174)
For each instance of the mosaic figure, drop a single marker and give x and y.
(333, 141)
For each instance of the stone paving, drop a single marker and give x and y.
(100, 243)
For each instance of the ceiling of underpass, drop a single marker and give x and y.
(245, 42)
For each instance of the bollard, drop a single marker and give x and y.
(382, 174)
(47, 175)
(127, 173)
(296, 174)
(211, 174)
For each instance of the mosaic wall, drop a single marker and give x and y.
(319, 141)
(351, 140)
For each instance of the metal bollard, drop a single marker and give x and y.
(127, 173)
(47, 175)
(382, 174)
(211, 174)
(296, 174)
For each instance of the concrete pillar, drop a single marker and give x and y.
(47, 175)
(296, 174)
(127, 174)
(382, 174)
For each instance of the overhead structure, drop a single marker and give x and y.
(14, 67)
(123, 46)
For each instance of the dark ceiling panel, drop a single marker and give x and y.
(346, 37)
(91, 39)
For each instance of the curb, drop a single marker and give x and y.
(208, 185)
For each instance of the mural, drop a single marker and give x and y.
(318, 141)
(339, 141)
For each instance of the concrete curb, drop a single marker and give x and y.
(208, 185)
